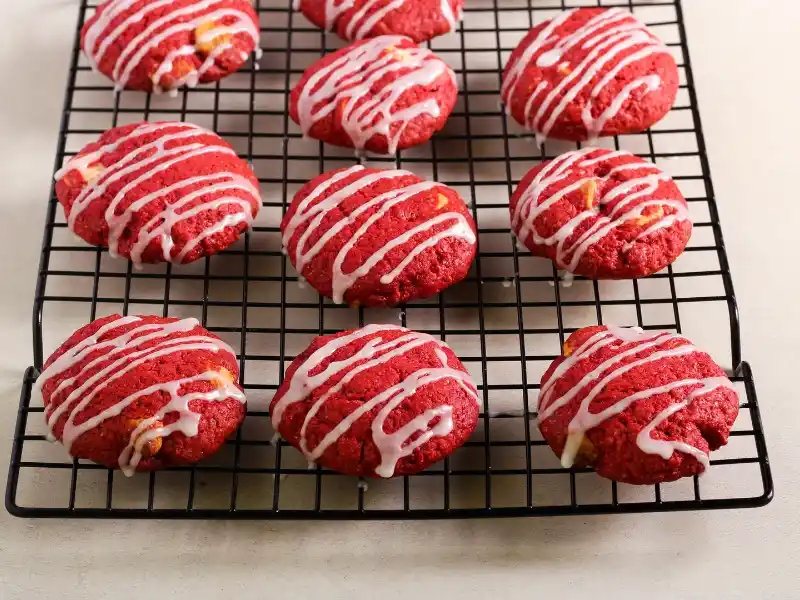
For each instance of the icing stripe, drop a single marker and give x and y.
(363, 19)
(376, 351)
(141, 165)
(319, 204)
(636, 342)
(187, 424)
(348, 85)
(125, 353)
(173, 20)
(613, 38)
(626, 201)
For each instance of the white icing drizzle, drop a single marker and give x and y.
(315, 207)
(610, 37)
(148, 160)
(348, 84)
(624, 200)
(167, 65)
(176, 20)
(517, 412)
(636, 342)
(363, 22)
(452, 18)
(370, 14)
(434, 422)
(511, 80)
(125, 352)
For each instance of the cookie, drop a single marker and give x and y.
(378, 237)
(602, 214)
(589, 72)
(420, 20)
(380, 401)
(141, 393)
(155, 192)
(383, 94)
(162, 45)
(640, 407)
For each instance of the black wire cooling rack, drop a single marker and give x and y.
(507, 321)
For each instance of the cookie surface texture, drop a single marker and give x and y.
(382, 94)
(380, 401)
(378, 237)
(141, 393)
(353, 20)
(602, 214)
(162, 45)
(640, 407)
(587, 73)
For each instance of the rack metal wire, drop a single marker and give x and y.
(507, 320)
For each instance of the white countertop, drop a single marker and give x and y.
(741, 54)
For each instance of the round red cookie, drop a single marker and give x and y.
(155, 192)
(162, 45)
(602, 214)
(380, 401)
(377, 237)
(589, 72)
(383, 94)
(141, 393)
(640, 407)
(420, 20)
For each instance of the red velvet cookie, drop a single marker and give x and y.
(162, 45)
(142, 393)
(378, 238)
(640, 407)
(381, 94)
(589, 72)
(602, 214)
(155, 192)
(379, 401)
(421, 20)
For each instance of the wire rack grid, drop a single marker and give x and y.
(507, 320)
